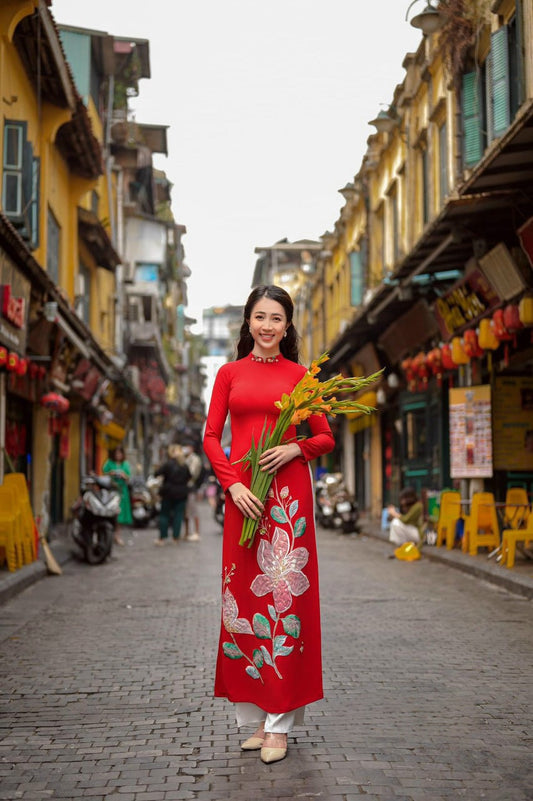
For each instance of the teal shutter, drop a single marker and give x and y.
(356, 278)
(499, 83)
(472, 119)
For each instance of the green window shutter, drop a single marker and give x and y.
(356, 278)
(499, 82)
(472, 119)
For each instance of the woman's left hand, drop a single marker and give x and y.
(274, 458)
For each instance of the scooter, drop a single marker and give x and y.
(94, 518)
(335, 508)
(144, 497)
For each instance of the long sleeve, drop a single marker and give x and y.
(320, 442)
(216, 418)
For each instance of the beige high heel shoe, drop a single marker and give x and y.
(271, 753)
(255, 742)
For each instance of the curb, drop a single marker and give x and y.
(14, 583)
(493, 573)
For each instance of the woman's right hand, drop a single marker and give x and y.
(245, 501)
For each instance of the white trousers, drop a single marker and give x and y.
(401, 532)
(252, 715)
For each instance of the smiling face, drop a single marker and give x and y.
(268, 323)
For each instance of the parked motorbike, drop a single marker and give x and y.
(95, 513)
(335, 508)
(145, 501)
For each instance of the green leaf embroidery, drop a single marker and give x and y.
(253, 672)
(231, 650)
(292, 625)
(272, 612)
(299, 527)
(261, 627)
(293, 508)
(285, 650)
(268, 658)
(284, 492)
(258, 658)
(278, 514)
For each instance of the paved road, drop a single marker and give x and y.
(106, 676)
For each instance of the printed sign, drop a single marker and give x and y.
(470, 432)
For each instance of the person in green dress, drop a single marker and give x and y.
(118, 467)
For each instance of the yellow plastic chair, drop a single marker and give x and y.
(511, 536)
(10, 529)
(17, 482)
(449, 514)
(481, 525)
(516, 512)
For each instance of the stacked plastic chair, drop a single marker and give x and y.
(481, 525)
(449, 514)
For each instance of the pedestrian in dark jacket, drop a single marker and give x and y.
(174, 490)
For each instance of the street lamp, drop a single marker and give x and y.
(428, 20)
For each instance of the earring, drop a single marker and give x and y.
(250, 329)
(285, 334)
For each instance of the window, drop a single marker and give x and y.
(473, 122)
(443, 161)
(52, 250)
(356, 278)
(83, 293)
(20, 186)
(395, 224)
(145, 272)
(424, 183)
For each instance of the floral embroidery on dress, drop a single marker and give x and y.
(282, 576)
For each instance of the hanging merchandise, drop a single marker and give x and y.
(487, 339)
(3, 358)
(407, 367)
(459, 355)
(421, 370)
(434, 363)
(471, 344)
(33, 370)
(22, 367)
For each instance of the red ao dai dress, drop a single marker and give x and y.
(270, 649)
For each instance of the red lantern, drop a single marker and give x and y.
(3, 357)
(511, 318)
(56, 402)
(12, 362)
(22, 367)
(498, 326)
(471, 345)
(33, 370)
(447, 361)
(42, 372)
(434, 361)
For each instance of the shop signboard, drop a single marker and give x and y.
(470, 432)
(14, 305)
(513, 423)
(465, 304)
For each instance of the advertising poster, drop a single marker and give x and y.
(470, 432)
(513, 423)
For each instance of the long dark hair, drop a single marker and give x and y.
(289, 344)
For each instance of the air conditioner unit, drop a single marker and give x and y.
(128, 273)
(502, 272)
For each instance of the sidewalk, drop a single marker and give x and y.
(518, 580)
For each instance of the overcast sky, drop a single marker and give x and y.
(267, 105)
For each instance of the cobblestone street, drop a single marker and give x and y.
(107, 675)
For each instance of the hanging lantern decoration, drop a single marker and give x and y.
(3, 358)
(525, 310)
(407, 367)
(434, 363)
(22, 367)
(42, 372)
(487, 338)
(499, 328)
(446, 357)
(421, 370)
(55, 402)
(511, 318)
(12, 362)
(33, 370)
(471, 344)
(459, 355)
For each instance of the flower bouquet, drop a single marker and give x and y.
(309, 396)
